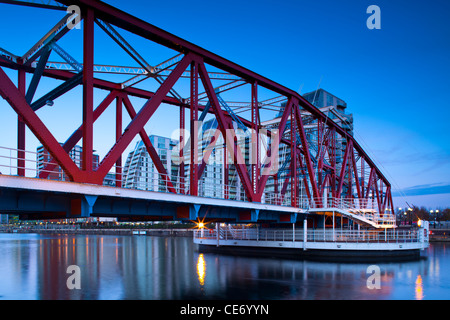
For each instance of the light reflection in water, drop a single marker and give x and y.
(419, 288)
(201, 268)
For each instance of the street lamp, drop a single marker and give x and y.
(436, 217)
(431, 216)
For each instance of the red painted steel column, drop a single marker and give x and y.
(255, 142)
(193, 181)
(320, 132)
(293, 159)
(21, 129)
(344, 169)
(307, 155)
(362, 177)
(118, 135)
(355, 170)
(305, 180)
(88, 93)
(333, 163)
(181, 144)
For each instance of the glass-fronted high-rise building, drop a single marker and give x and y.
(44, 158)
(219, 178)
(140, 172)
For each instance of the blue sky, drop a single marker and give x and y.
(394, 80)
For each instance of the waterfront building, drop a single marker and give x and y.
(140, 172)
(333, 107)
(219, 178)
(44, 158)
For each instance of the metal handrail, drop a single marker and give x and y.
(286, 235)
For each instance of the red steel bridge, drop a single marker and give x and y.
(300, 163)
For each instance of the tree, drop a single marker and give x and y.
(445, 216)
(420, 213)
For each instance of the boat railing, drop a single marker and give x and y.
(254, 234)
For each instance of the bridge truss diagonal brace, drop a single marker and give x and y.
(226, 125)
(78, 133)
(149, 146)
(18, 102)
(142, 117)
(37, 75)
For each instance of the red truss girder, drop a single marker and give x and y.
(315, 179)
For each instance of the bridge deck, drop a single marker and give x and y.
(33, 195)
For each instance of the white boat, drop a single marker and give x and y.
(319, 243)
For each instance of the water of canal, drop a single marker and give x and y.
(37, 266)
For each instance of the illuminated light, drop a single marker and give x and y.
(201, 269)
(419, 223)
(201, 225)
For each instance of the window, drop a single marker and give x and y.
(329, 100)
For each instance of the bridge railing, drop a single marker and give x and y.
(285, 200)
(142, 178)
(9, 163)
(208, 186)
(211, 185)
(344, 203)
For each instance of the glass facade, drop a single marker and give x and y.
(140, 172)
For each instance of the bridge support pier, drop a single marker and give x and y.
(82, 207)
(194, 209)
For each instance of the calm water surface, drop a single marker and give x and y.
(34, 266)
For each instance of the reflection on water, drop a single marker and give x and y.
(201, 266)
(140, 267)
(419, 288)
